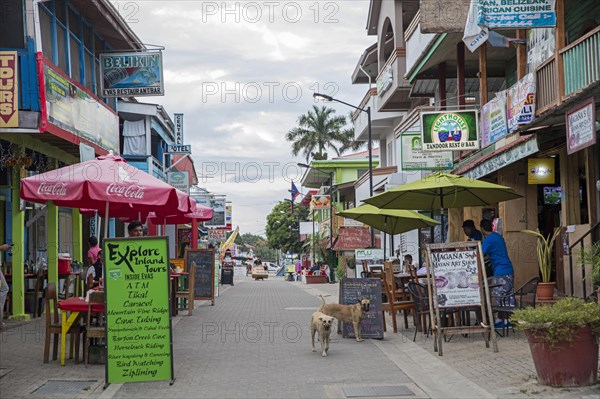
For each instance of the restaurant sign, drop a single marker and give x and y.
(442, 131)
(493, 120)
(414, 158)
(217, 203)
(132, 74)
(515, 14)
(9, 89)
(73, 109)
(581, 126)
(521, 102)
(138, 319)
(319, 201)
(541, 171)
(179, 180)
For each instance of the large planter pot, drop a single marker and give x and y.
(565, 364)
(545, 291)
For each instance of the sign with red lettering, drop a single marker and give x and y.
(521, 102)
(9, 89)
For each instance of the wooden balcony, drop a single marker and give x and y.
(581, 62)
(547, 86)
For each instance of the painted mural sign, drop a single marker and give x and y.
(9, 89)
(516, 14)
(414, 158)
(493, 120)
(521, 102)
(132, 74)
(442, 131)
(581, 126)
(73, 109)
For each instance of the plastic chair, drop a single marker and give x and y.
(54, 327)
(93, 330)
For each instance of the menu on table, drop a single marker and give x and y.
(138, 315)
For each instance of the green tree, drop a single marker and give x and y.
(282, 227)
(319, 130)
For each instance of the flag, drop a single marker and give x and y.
(295, 193)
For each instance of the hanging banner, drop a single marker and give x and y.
(493, 120)
(138, 320)
(131, 74)
(540, 46)
(72, 108)
(228, 216)
(414, 158)
(581, 126)
(442, 131)
(319, 201)
(9, 89)
(516, 14)
(521, 102)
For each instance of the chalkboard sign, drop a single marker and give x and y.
(203, 262)
(227, 273)
(352, 290)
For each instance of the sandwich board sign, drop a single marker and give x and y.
(139, 339)
(456, 279)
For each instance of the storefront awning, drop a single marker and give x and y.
(351, 238)
(521, 148)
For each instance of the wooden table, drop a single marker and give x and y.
(75, 306)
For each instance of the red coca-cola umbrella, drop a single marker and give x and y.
(200, 214)
(106, 184)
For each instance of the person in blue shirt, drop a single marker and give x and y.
(471, 232)
(494, 248)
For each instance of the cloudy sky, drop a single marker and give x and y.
(242, 73)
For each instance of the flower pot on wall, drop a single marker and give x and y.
(545, 291)
(565, 364)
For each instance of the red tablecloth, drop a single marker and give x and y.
(79, 305)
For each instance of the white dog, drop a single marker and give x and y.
(322, 323)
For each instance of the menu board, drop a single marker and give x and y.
(352, 290)
(138, 318)
(203, 262)
(456, 278)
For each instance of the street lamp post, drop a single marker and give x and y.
(331, 273)
(369, 145)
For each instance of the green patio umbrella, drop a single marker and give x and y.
(442, 190)
(390, 221)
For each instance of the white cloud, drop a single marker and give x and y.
(265, 71)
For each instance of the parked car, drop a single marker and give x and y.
(271, 267)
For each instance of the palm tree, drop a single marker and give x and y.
(318, 130)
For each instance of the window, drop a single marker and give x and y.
(46, 28)
(61, 44)
(11, 24)
(75, 66)
(390, 153)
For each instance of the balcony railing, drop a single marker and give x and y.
(581, 62)
(547, 86)
(157, 169)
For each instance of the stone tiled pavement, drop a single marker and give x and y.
(255, 343)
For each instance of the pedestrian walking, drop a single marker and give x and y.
(3, 287)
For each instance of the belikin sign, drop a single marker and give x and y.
(455, 131)
(132, 74)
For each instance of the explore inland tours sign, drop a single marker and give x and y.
(138, 319)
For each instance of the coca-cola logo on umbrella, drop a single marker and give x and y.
(125, 191)
(54, 189)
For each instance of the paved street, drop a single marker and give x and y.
(255, 342)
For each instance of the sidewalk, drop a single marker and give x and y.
(508, 373)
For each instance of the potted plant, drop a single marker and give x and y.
(592, 257)
(563, 338)
(545, 245)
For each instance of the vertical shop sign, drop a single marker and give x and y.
(521, 102)
(9, 89)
